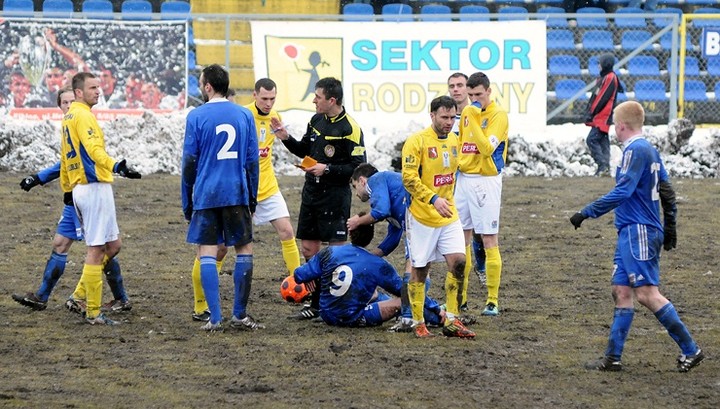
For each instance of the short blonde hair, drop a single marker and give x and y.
(631, 113)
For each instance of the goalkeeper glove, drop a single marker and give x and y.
(122, 169)
(68, 198)
(30, 182)
(670, 241)
(577, 220)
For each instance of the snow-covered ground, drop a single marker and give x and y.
(152, 143)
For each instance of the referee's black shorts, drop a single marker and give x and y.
(324, 212)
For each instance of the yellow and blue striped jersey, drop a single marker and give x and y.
(268, 185)
(83, 158)
(483, 139)
(429, 163)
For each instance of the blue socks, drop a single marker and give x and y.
(115, 280)
(242, 278)
(479, 253)
(622, 320)
(211, 286)
(668, 317)
(54, 269)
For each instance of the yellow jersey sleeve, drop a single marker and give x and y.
(483, 140)
(268, 184)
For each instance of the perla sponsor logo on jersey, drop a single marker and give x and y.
(263, 152)
(469, 148)
(442, 180)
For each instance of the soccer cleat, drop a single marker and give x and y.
(203, 316)
(458, 330)
(101, 320)
(307, 313)
(421, 331)
(31, 301)
(246, 323)
(75, 305)
(464, 307)
(467, 319)
(687, 362)
(116, 306)
(491, 310)
(403, 325)
(210, 327)
(605, 363)
(481, 276)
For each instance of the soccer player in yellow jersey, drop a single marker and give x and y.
(86, 175)
(271, 206)
(483, 150)
(433, 230)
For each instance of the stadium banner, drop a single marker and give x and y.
(141, 65)
(391, 71)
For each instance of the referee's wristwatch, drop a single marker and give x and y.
(327, 170)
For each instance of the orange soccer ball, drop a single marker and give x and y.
(292, 291)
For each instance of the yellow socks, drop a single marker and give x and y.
(198, 294)
(291, 254)
(416, 295)
(493, 269)
(466, 276)
(453, 292)
(91, 280)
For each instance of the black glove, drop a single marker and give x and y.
(577, 219)
(122, 169)
(30, 182)
(68, 199)
(670, 241)
(188, 214)
(252, 205)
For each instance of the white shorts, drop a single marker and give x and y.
(477, 199)
(95, 207)
(427, 244)
(272, 208)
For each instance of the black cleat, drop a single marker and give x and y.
(307, 313)
(604, 364)
(687, 362)
(30, 300)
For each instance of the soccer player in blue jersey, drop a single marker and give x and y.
(349, 276)
(220, 173)
(642, 183)
(68, 230)
(86, 176)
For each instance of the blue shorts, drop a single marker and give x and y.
(371, 316)
(69, 224)
(230, 225)
(637, 256)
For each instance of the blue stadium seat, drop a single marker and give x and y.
(567, 88)
(560, 40)
(598, 40)
(435, 12)
(57, 8)
(665, 17)
(695, 91)
(554, 3)
(192, 60)
(633, 39)
(547, 14)
(564, 65)
(666, 42)
(707, 23)
(174, 10)
(713, 67)
(191, 35)
(474, 13)
(591, 17)
(630, 22)
(193, 86)
(18, 8)
(701, 2)
(358, 12)
(692, 66)
(397, 12)
(717, 91)
(650, 90)
(98, 9)
(643, 65)
(594, 65)
(136, 10)
(511, 13)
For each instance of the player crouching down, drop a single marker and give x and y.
(349, 277)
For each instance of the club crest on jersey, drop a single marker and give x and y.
(432, 152)
(409, 159)
(329, 151)
(469, 148)
(264, 152)
(484, 123)
(443, 180)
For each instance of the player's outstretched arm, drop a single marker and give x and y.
(30, 182)
(122, 169)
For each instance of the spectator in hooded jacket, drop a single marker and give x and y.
(599, 113)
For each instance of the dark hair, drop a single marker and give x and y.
(457, 75)
(61, 91)
(217, 77)
(78, 80)
(442, 102)
(363, 234)
(265, 83)
(332, 88)
(477, 79)
(364, 169)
